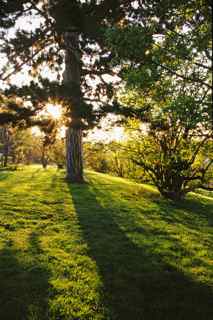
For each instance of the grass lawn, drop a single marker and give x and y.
(110, 249)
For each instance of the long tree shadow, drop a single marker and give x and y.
(4, 175)
(23, 284)
(187, 212)
(137, 283)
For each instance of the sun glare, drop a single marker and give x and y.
(54, 111)
(101, 135)
(36, 131)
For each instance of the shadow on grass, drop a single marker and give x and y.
(23, 284)
(4, 175)
(137, 283)
(18, 180)
(187, 212)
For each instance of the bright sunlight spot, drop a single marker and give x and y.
(100, 135)
(36, 131)
(54, 111)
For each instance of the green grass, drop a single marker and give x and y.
(110, 249)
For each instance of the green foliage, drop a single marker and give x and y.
(169, 78)
(121, 39)
(110, 158)
(95, 157)
(56, 153)
(167, 36)
(173, 145)
(27, 148)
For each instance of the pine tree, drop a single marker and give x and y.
(70, 33)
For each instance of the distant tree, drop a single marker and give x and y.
(96, 157)
(112, 158)
(49, 130)
(57, 153)
(15, 119)
(16, 145)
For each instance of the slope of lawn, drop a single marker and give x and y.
(109, 249)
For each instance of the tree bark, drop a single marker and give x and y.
(74, 155)
(6, 145)
(44, 160)
(72, 79)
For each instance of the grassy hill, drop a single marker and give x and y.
(110, 249)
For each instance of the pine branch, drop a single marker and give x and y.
(19, 66)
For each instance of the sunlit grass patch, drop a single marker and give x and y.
(110, 249)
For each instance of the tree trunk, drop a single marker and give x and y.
(74, 155)
(44, 160)
(6, 146)
(171, 186)
(5, 162)
(173, 195)
(72, 80)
